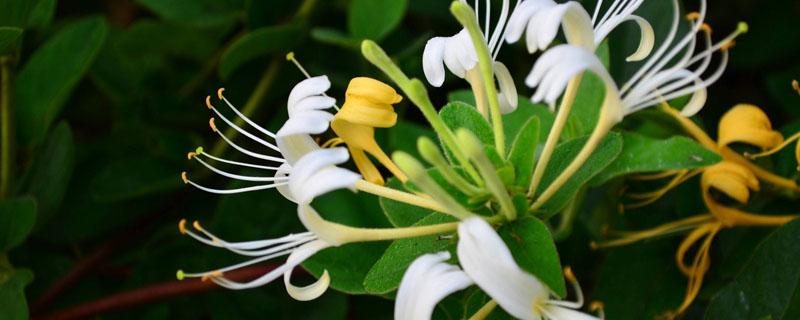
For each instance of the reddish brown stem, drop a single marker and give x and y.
(158, 292)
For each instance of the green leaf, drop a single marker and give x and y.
(533, 248)
(133, 177)
(387, 272)
(10, 38)
(41, 15)
(12, 295)
(16, 13)
(768, 285)
(45, 83)
(645, 154)
(258, 43)
(640, 281)
(200, 13)
(17, 217)
(523, 152)
(51, 172)
(461, 115)
(606, 152)
(374, 19)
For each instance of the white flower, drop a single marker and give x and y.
(541, 19)
(306, 105)
(673, 71)
(458, 53)
(488, 263)
(312, 175)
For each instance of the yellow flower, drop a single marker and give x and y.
(368, 105)
(746, 123)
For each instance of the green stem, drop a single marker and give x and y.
(475, 152)
(568, 216)
(6, 127)
(416, 92)
(466, 16)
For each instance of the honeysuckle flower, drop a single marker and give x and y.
(368, 105)
(458, 53)
(307, 116)
(748, 124)
(487, 262)
(540, 21)
(664, 76)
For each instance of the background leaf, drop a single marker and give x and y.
(12, 295)
(196, 12)
(17, 217)
(10, 38)
(258, 43)
(374, 19)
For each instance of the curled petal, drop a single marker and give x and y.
(647, 41)
(557, 66)
(508, 91)
(308, 122)
(314, 290)
(309, 87)
(316, 173)
(426, 282)
(433, 61)
(519, 19)
(746, 123)
(283, 172)
(311, 103)
(459, 54)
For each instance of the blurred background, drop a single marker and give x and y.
(108, 96)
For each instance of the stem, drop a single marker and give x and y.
(474, 149)
(6, 127)
(555, 133)
(416, 92)
(604, 125)
(484, 311)
(149, 294)
(399, 196)
(419, 176)
(466, 16)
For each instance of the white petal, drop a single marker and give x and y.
(426, 282)
(308, 122)
(487, 260)
(314, 290)
(315, 174)
(577, 26)
(519, 19)
(561, 313)
(308, 87)
(557, 66)
(330, 232)
(283, 171)
(311, 103)
(696, 103)
(433, 61)
(647, 41)
(508, 91)
(459, 54)
(294, 147)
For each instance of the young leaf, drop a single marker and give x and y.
(17, 217)
(533, 248)
(401, 214)
(387, 272)
(461, 115)
(374, 19)
(514, 121)
(645, 154)
(768, 286)
(12, 295)
(606, 152)
(523, 152)
(258, 43)
(46, 81)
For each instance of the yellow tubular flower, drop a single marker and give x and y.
(368, 104)
(748, 124)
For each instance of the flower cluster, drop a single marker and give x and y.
(499, 181)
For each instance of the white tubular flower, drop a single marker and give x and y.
(426, 282)
(307, 103)
(540, 21)
(673, 71)
(488, 262)
(312, 175)
(458, 53)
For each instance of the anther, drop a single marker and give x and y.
(569, 275)
(212, 125)
(727, 45)
(707, 28)
(219, 93)
(182, 226)
(199, 150)
(692, 16)
(191, 155)
(290, 56)
(209, 276)
(796, 86)
(184, 177)
(197, 226)
(180, 275)
(596, 305)
(208, 103)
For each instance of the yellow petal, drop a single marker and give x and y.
(748, 124)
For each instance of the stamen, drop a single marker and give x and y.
(796, 86)
(772, 151)
(184, 177)
(290, 57)
(182, 226)
(661, 230)
(237, 176)
(180, 275)
(245, 151)
(220, 95)
(243, 164)
(191, 155)
(333, 142)
(599, 307)
(232, 191)
(211, 275)
(212, 125)
(242, 131)
(576, 287)
(693, 16)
